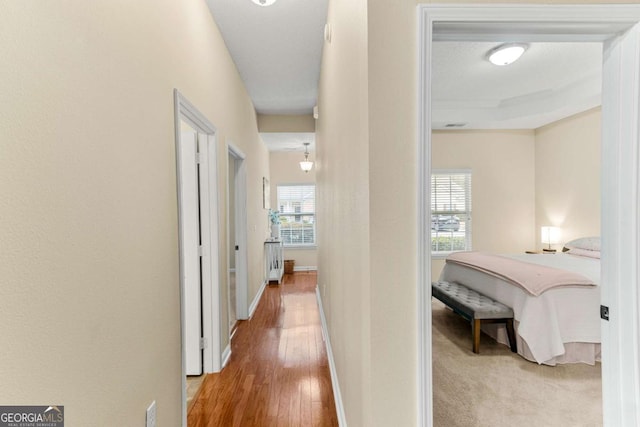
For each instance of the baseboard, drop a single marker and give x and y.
(256, 300)
(226, 354)
(305, 268)
(337, 396)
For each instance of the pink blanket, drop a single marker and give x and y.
(533, 278)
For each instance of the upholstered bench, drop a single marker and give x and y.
(476, 308)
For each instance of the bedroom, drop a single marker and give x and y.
(522, 178)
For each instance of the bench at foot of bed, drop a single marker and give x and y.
(475, 307)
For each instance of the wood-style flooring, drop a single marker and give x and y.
(278, 374)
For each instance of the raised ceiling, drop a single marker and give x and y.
(549, 82)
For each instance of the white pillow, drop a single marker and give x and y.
(586, 243)
(584, 252)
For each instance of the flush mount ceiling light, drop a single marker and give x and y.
(306, 164)
(264, 2)
(506, 54)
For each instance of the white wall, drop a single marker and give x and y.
(285, 169)
(344, 275)
(568, 176)
(89, 280)
(503, 186)
(393, 203)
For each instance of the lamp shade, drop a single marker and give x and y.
(550, 235)
(306, 164)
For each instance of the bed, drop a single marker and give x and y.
(561, 324)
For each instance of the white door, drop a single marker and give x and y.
(233, 247)
(199, 242)
(240, 230)
(190, 224)
(620, 228)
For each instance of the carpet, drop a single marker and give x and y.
(499, 388)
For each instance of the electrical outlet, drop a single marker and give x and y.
(151, 415)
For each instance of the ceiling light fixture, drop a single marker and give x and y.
(506, 54)
(264, 2)
(306, 164)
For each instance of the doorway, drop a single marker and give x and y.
(237, 232)
(618, 28)
(191, 230)
(197, 189)
(233, 247)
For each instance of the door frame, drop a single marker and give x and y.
(184, 110)
(618, 27)
(191, 234)
(242, 278)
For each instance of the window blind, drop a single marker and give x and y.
(450, 211)
(297, 207)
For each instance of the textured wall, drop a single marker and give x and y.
(343, 205)
(568, 176)
(89, 295)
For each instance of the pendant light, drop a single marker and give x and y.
(306, 164)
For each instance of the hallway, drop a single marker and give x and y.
(278, 374)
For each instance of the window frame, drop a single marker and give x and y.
(294, 214)
(468, 211)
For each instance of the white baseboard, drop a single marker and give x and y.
(226, 354)
(256, 300)
(337, 396)
(305, 268)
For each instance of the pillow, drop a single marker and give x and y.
(584, 252)
(586, 243)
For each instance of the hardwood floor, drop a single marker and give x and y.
(278, 374)
(193, 387)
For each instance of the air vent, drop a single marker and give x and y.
(455, 125)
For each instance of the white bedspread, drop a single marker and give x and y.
(533, 278)
(561, 325)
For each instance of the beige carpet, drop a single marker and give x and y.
(499, 388)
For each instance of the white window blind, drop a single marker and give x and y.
(297, 207)
(450, 211)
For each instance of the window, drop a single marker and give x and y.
(450, 211)
(297, 207)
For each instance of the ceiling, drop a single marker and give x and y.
(278, 49)
(549, 82)
(288, 141)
